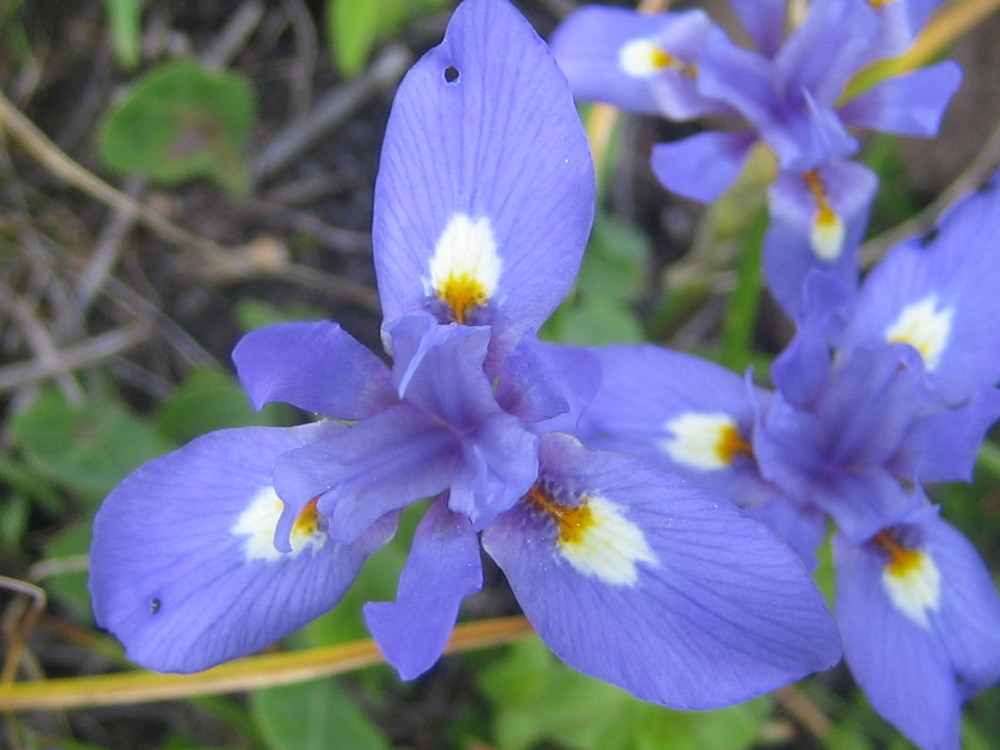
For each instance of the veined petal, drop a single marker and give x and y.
(485, 192)
(802, 526)
(639, 62)
(930, 292)
(920, 619)
(686, 413)
(701, 166)
(318, 367)
(183, 568)
(381, 464)
(911, 104)
(633, 576)
(817, 222)
(443, 568)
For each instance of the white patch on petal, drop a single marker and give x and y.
(642, 58)
(465, 266)
(925, 327)
(260, 519)
(913, 583)
(604, 544)
(703, 440)
(826, 235)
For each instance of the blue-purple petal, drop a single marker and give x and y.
(443, 568)
(701, 166)
(318, 367)
(484, 141)
(691, 603)
(183, 568)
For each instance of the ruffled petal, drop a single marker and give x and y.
(183, 566)
(635, 577)
(381, 464)
(930, 293)
(443, 568)
(911, 104)
(920, 619)
(485, 192)
(318, 367)
(701, 166)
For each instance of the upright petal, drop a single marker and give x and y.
(318, 367)
(765, 21)
(184, 570)
(633, 576)
(920, 619)
(930, 292)
(443, 568)
(911, 104)
(379, 465)
(485, 192)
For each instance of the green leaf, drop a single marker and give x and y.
(255, 313)
(354, 26)
(182, 121)
(69, 584)
(211, 400)
(593, 321)
(125, 23)
(318, 715)
(616, 265)
(536, 698)
(88, 448)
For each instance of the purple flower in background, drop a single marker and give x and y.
(483, 204)
(878, 393)
(790, 93)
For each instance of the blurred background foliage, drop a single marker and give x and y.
(174, 173)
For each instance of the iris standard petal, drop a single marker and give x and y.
(443, 568)
(183, 566)
(381, 464)
(318, 367)
(765, 21)
(485, 192)
(636, 577)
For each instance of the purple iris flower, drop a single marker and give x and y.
(483, 203)
(789, 91)
(878, 393)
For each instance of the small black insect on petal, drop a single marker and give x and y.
(154, 606)
(451, 74)
(928, 237)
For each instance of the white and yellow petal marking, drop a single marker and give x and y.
(704, 440)
(642, 58)
(926, 327)
(826, 234)
(596, 538)
(465, 267)
(910, 578)
(260, 519)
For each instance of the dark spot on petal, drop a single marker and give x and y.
(928, 237)
(451, 74)
(154, 606)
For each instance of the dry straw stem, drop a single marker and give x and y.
(266, 670)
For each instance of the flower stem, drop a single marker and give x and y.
(264, 670)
